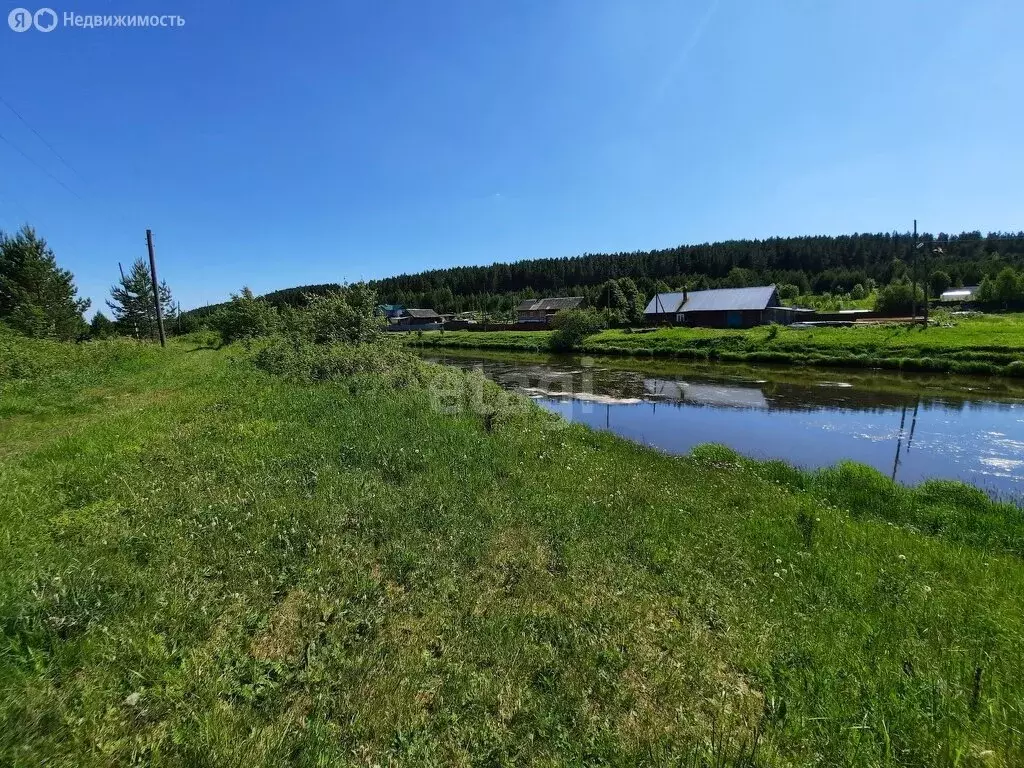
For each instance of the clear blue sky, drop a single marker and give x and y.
(277, 144)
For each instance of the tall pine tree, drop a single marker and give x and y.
(131, 301)
(37, 297)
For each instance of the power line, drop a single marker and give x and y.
(37, 165)
(39, 136)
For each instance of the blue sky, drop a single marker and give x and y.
(274, 144)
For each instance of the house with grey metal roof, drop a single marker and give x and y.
(542, 310)
(719, 308)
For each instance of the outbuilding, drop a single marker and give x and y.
(542, 310)
(959, 295)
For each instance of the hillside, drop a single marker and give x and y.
(816, 264)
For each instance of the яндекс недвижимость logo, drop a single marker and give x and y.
(47, 20)
(22, 19)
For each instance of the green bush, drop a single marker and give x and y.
(245, 317)
(572, 326)
(898, 298)
(348, 316)
(1016, 368)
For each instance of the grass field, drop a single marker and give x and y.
(206, 564)
(989, 344)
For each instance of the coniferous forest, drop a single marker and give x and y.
(811, 265)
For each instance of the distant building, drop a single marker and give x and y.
(415, 320)
(418, 317)
(956, 295)
(720, 308)
(542, 310)
(390, 311)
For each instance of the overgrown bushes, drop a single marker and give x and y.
(899, 298)
(572, 326)
(23, 358)
(245, 317)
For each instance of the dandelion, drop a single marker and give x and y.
(902, 557)
(776, 574)
(778, 561)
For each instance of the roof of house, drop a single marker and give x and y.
(549, 305)
(716, 300)
(664, 303)
(955, 294)
(421, 313)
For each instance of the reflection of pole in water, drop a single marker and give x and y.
(607, 416)
(899, 442)
(913, 424)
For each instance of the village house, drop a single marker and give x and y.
(391, 311)
(719, 308)
(542, 310)
(416, 320)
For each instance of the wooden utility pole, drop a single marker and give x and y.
(156, 287)
(913, 280)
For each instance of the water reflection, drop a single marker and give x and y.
(910, 429)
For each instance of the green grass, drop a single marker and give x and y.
(989, 344)
(206, 564)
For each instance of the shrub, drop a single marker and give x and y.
(898, 298)
(347, 316)
(1016, 368)
(939, 282)
(300, 360)
(572, 326)
(245, 317)
(788, 291)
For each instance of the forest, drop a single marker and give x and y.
(811, 265)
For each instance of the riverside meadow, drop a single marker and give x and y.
(970, 344)
(278, 553)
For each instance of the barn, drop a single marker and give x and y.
(542, 310)
(416, 320)
(719, 308)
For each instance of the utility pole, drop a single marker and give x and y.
(156, 287)
(913, 280)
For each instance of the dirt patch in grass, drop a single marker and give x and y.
(282, 640)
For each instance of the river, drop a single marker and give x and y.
(910, 426)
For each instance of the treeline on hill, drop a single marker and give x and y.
(800, 265)
(817, 265)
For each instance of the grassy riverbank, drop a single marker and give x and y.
(910, 383)
(207, 563)
(989, 344)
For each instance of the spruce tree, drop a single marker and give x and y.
(131, 301)
(37, 297)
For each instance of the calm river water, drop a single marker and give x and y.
(911, 427)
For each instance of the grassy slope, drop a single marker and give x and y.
(207, 565)
(982, 344)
